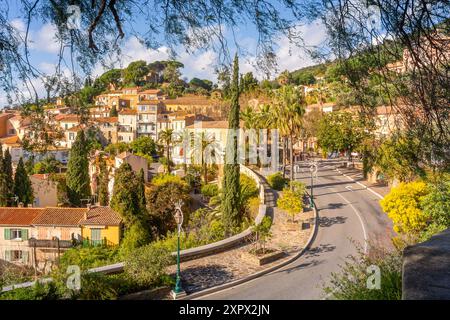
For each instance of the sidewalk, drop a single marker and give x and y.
(217, 269)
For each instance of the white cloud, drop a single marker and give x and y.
(45, 40)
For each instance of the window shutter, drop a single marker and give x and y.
(25, 257)
(7, 255)
(24, 234)
(7, 234)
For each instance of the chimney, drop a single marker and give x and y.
(30, 205)
(20, 205)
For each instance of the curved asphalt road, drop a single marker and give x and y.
(347, 213)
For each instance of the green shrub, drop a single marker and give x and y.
(249, 185)
(40, 291)
(276, 181)
(147, 265)
(351, 282)
(210, 190)
(89, 257)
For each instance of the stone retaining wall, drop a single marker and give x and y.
(426, 269)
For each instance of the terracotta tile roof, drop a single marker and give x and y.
(40, 176)
(18, 216)
(108, 119)
(102, 216)
(127, 112)
(75, 128)
(67, 118)
(60, 216)
(13, 140)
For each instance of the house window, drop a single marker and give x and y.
(16, 234)
(96, 236)
(16, 256)
(71, 136)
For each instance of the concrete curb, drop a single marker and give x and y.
(360, 184)
(260, 273)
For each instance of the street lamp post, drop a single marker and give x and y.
(178, 291)
(313, 170)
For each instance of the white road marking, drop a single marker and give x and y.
(360, 220)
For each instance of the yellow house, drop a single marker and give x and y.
(101, 225)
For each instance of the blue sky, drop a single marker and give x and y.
(44, 50)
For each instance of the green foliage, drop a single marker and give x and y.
(291, 199)
(22, 185)
(143, 145)
(351, 282)
(113, 112)
(230, 206)
(8, 177)
(193, 176)
(125, 199)
(96, 286)
(403, 206)
(248, 186)
(197, 83)
(262, 231)
(3, 182)
(47, 291)
(210, 190)
(397, 157)
(135, 236)
(134, 73)
(48, 165)
(276, 181)
(166, 190)
(88, 257)
(341, 131)
(147, 265)
(77, 176)
(248, 82)
(112, 76)
(103, 181)
(116, 148)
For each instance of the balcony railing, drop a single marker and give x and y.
(56, 243)
(86, 242)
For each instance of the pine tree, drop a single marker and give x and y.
(231, 211)
(22, 185)
(103, 194)
(7, 167)
(113, 112)
(3, 182)
(77, 176)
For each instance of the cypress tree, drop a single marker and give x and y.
(3, 182)
(22, 184)
(103, 194)
(125, 199)
(77, 176)
(113, 112)
(7, 167)
(231, 211)
(141, 189)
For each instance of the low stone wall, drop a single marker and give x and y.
(426, 269)
(208, 249)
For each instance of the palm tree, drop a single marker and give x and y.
(289, 110)
(166, 138)
(204, 145)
